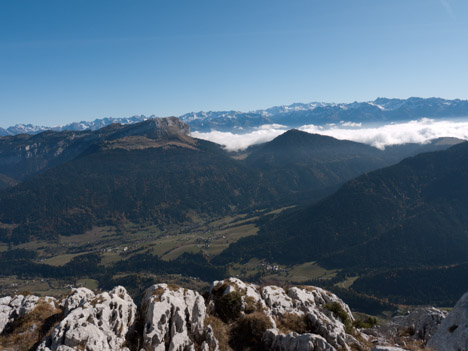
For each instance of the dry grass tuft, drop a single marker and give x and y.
(27, 331)
(221, 331)
(291, 322)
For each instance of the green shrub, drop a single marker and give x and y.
(229, 306)
(336, 309)
(369, 322)
(248, 331)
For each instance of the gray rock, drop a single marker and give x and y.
(173, 319)
(98, 322)
(311, 302)
(422, 322)
(210, 343)
(77, 298)
(295, 342)
(419, 324)
(165, 311)
(387, 348)
(17, 306)
(452, 334)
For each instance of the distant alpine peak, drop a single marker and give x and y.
(294, 115)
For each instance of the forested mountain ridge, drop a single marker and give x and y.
(22, 156)
(149, 181)
(154, 172)
(412, 213)
(310, 166)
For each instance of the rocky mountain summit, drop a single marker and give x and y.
(24, 155)
(233, 315)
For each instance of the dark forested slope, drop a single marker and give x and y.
(151, 185)
(415, 212)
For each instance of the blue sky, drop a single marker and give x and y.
(72, 60)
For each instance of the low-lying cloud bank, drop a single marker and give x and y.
(419, 131)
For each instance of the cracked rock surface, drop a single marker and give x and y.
(95, 322)
(173, 318)
(15, 307)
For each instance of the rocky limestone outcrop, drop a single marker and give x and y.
(452, 334)
(295, 342)
(15, 307)
(173, 318)
(419, 324)
(93, 322)
(77, 298)
(234, 316)
(327, 317)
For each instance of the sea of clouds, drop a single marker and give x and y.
(418, 131)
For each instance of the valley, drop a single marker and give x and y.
(143, 203)
(233, 175)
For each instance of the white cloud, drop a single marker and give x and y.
(234, 142)
(419, 131)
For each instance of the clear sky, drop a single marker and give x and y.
(72, 60)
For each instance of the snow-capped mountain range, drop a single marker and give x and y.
(298, 114)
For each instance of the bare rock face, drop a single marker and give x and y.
(17, 306)
(155, 128)
(452, 334)
(210, 343)
(173, 318)
(94, 322)
(419, 324)
(328, 319)
(77, 298)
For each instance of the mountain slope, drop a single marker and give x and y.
(310, 166)
(413, 213)
(24, 155)
(6, 182)
(153, 172)
(144, 173)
